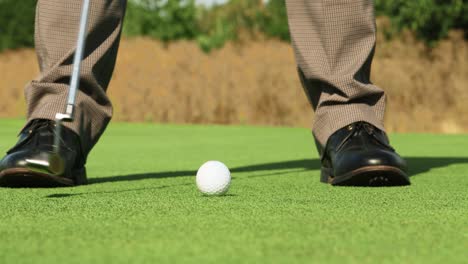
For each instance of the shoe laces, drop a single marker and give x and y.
(40, 124)
(356, 128)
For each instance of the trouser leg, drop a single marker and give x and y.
(334, 43)
(56, 31)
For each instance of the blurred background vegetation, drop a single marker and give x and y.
(241, 68)
(169, 20)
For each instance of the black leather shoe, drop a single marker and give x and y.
(360, 155)
(36, 143)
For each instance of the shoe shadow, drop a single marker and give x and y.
(287, 166)
(417, 166)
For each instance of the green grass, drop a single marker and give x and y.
(142, 205)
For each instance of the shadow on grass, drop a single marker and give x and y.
(65, 195)
(417, 165)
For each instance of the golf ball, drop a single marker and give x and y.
(213, 178)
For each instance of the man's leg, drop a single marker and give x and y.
(57, 23)
(334, 42)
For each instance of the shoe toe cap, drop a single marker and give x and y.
(25, 159)
(353, 161)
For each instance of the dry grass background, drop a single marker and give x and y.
(256, 83)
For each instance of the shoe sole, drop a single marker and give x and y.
(24, 178)
(370, 176)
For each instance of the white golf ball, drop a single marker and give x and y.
(213, 178)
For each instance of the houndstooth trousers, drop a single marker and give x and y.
(333, 40)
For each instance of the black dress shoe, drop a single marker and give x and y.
(36, 143)
(360, 155)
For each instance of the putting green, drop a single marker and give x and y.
(142, 205)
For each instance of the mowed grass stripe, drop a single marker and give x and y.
(142, 205)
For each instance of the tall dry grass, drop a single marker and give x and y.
(251, 84)
(256, 83)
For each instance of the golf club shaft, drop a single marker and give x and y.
(79, 53)
(68, 116)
